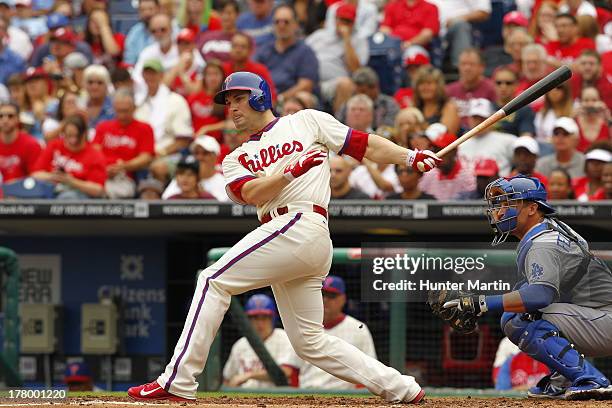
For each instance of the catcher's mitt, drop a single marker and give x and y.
(460, 311)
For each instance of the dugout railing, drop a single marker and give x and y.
(9, 306)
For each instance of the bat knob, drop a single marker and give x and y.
(421, 166)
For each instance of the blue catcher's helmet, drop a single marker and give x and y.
(260, 304)
(502, 197)
(260, 98)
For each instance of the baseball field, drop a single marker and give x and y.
(214, 400)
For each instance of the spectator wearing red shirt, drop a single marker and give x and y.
(592, 118)
(453, 177)
(590, 187)
(187, 178)
(524, 158)
(542, 25)
(197, 17)
(217, 44)
(184, 77)
(18, 150)
(589, 72)
(207, 117)
(107, 47)
(606, 178)
(74, 165)
(415, 22)
(127, 145)
(472, 83)
(240, 60)
(570, 44)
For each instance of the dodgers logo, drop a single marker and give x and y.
(536, 271)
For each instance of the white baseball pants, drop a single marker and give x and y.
(293, 254)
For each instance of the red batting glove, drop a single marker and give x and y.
(422, 160)
(306, 162)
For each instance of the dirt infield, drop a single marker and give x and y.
(307, 401)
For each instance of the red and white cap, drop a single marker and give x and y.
(486, 168)
(516, 18)
(185, 35)
(439, 136)
(415, 55)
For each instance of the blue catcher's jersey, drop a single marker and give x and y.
(550, 254)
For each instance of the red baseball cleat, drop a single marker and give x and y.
(154, 392)
(419, 398)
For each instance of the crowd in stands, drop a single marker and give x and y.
(91, 107)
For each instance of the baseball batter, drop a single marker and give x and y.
(562, 308)
(243, 367)
(283, 169)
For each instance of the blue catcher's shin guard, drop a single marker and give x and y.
(541, 341)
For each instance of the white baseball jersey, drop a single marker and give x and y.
(243, 359)
(353, 332)
(280, 144)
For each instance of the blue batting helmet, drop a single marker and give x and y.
(260, 304)
(260, 98)
(502, 196)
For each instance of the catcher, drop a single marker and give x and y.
(561, 309)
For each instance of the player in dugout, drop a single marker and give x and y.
(243, 367)
(562, 309)
(283, 169)
(341, 325)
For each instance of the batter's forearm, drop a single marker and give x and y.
(381, 150)
(261, 190)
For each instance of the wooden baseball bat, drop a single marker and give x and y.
(552, 80)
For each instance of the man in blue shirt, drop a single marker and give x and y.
(10, 62)
(139, 35)
(257, 22)
(293, 65)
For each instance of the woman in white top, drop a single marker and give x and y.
(557, 103)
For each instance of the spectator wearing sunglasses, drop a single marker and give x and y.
(18, 150)
(164, 47)
(521, 122)
(565, 157)
(292, 64)
(99, 102)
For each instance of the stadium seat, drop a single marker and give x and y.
(386, 59)
(122, 23)
(122, 7)
(28, 188)
(469, 357)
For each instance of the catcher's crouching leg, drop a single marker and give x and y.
(540, 339)
(513, 325)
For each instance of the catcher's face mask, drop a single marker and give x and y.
(502, 210)
(504, 197)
